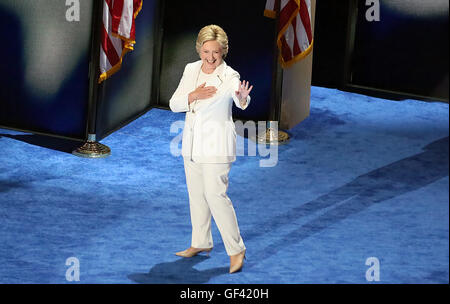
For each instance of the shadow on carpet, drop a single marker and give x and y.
(376, 186)
(181, 271)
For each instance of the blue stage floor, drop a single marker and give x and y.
(361, 177)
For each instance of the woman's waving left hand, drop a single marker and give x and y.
(244, 90)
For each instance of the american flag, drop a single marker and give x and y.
(117, 35)
(295, 37)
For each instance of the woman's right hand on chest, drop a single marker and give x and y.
(202, 92)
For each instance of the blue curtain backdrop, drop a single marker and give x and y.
(406, 50)
(45, 63)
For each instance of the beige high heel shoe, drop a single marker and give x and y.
(238, 263)
(191, 251)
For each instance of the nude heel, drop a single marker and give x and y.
(237, 265)
(191, 251)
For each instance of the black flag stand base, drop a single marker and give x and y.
(271, 135)
(92, 149)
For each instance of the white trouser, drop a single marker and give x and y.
(207, 186)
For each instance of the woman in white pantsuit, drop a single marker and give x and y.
(206, 93)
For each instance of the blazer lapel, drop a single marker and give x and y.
(195, 73)
(221, 73)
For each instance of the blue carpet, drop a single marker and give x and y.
(361, 177)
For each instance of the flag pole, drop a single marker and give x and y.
(272, 134)
(91, 148)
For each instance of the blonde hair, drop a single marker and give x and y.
(212, 32)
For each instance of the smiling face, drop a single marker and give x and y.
(211, 54)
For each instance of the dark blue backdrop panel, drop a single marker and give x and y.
(406, 51)
(126, 94)
(251, 38)
(45, 65)
(330, 38)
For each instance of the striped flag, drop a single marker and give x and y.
(295, 37)
(118, 34)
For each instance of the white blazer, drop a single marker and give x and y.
(209, 134)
